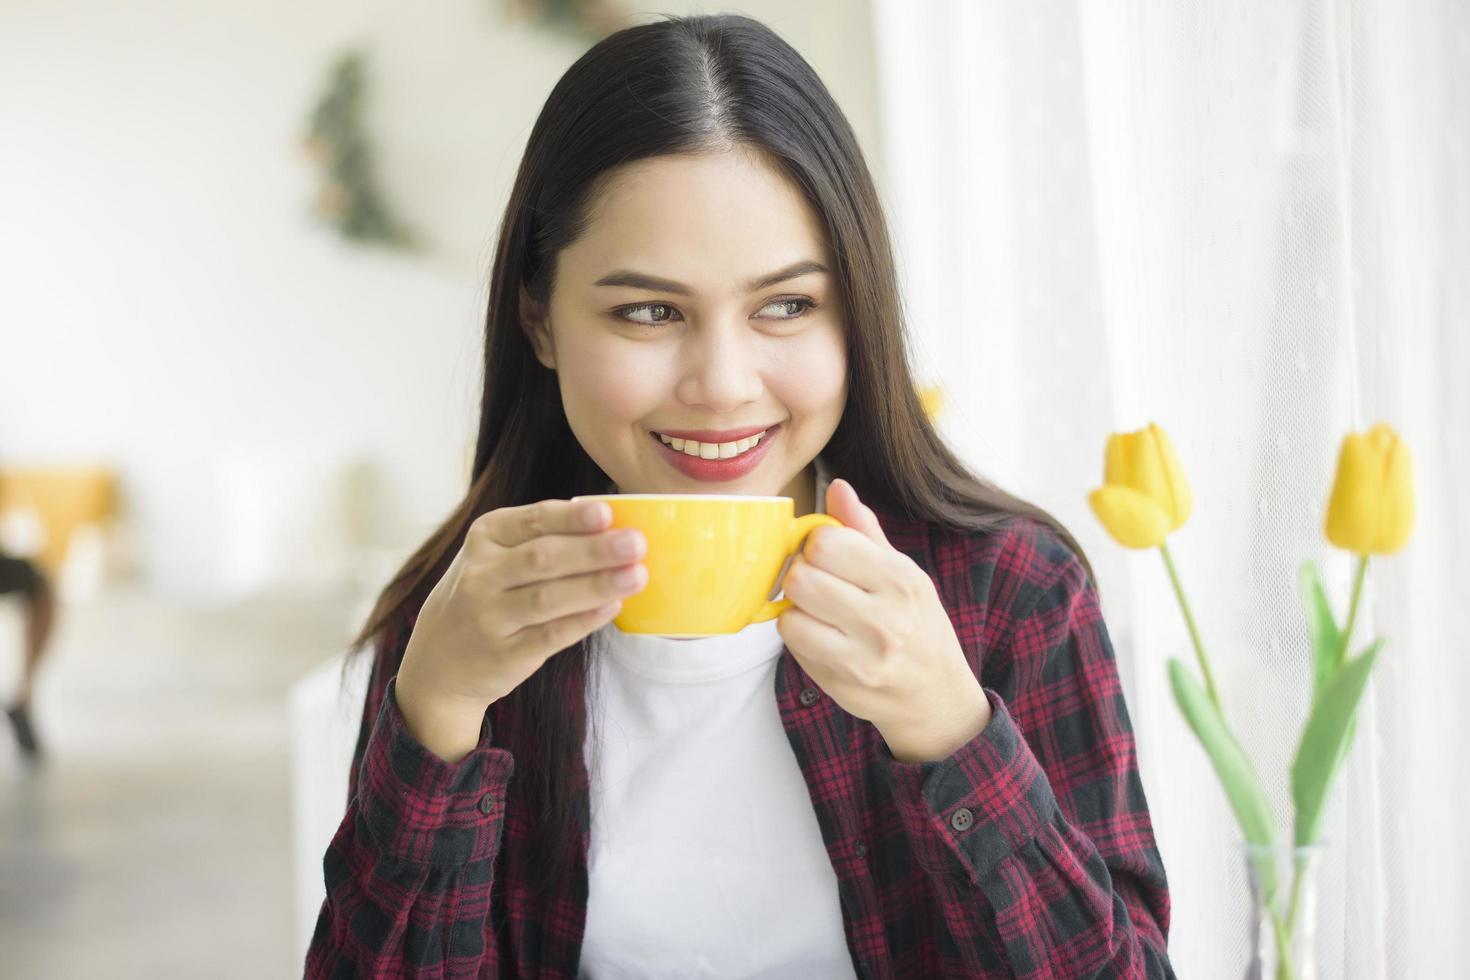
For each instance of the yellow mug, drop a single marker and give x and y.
(712, 559)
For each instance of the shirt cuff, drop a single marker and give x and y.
(968, 812)
(423, 810)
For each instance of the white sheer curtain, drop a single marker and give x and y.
(1250, 223)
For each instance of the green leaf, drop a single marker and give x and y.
(1325, 740)
(1242, 787)
(1347, 741)
(1322, 627)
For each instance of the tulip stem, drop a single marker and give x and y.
(1347, 629)
(1199, 647)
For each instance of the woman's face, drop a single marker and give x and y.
(711, 348)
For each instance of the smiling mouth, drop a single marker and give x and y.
(713, 450)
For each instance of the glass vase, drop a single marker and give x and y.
(1283, 883)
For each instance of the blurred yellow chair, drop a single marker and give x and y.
(64, 499)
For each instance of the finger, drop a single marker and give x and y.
(510, 526)
(847, 553)
(843, 504)
(542, 602)
(825, 596)
(819, 647)
(553, 556)
(544, 639)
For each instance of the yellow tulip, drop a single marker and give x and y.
(1371, 510)
(932, 399)
(1144, 495)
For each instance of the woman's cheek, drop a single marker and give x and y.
(616, 385)
(812, 375)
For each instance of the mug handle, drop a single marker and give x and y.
(801, 529)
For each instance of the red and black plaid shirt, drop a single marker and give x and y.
(1029, 852)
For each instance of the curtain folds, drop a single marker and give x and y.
(1249, 223)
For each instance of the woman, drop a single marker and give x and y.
(944, 782)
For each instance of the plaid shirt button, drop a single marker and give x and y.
(809, 697)
(962, 819)
(860, 849)
(487, 803)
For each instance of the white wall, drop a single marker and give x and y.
(168, 305)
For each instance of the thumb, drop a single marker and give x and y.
(843, 504)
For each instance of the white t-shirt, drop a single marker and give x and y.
(705, 857)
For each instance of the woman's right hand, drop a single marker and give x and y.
(528, 582)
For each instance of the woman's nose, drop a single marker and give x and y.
(722, 371)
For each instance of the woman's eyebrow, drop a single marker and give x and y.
(639, 280)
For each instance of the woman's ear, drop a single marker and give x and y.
(538, 331)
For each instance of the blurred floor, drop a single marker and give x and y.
(154, 842)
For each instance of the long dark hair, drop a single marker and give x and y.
(680, 85)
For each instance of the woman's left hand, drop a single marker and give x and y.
(867, 624)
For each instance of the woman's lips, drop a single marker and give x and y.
(717, 470)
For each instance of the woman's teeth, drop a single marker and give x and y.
(711, 450)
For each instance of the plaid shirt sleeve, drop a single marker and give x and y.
(1041, 818)
(409, 871)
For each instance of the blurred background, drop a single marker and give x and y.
(243, 255)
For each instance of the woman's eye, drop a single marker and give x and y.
(801, 303)
(661, 313)
(656, 321)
